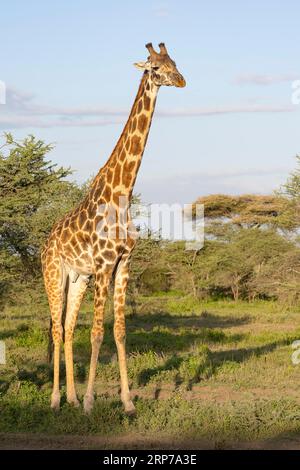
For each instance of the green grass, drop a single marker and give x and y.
(27, 411)
(220, 371)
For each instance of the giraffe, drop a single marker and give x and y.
(78, 249)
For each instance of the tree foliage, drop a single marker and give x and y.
(252, 210)
(34, 194)
(291, 188)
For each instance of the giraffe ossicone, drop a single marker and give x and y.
(89, 241)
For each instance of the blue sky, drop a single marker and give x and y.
(70, 80)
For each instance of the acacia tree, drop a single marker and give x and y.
(279, 276)
(251, 210)
(245, 233)
(291, 188)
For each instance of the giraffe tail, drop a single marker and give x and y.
(64, 310)
(63, 319)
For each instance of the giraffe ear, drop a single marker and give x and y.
(142, 65)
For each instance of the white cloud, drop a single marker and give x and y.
(236, 109)
(15, 122)
(254, 79)
(22, 111)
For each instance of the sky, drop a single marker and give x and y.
(70, 80)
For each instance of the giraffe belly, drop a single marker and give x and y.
(79, 267)
(82, 264)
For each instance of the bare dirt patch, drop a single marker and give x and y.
(135, 441)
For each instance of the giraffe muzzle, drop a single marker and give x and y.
(180, 82)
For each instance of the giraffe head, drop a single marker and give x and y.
(161, 67)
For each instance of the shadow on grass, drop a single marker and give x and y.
(160, 333)
(165, 341)
(37, 374)
(4, 385)
(205, 320)
(243, 354)
(5, 334)
(206, 367)
(42, 374)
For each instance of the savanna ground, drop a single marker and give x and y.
(203, 375)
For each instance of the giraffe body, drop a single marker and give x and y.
(97, 238)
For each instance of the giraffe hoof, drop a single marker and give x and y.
(55, 402)
(88, 403)
(74, 402)
(130, 409)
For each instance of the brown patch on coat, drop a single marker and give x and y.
(134, 123)
(109, 175)
(109, 255)
(142, 123)
(107, 193)
(135, 147)
(117, 175)
(140, 106)
(147, 102)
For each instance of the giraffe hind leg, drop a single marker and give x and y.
(55, 282)
(121, 280)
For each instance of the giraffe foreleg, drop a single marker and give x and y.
(121, 280)
(102, 280)
(76, 292)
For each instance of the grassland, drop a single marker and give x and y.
(207, 375)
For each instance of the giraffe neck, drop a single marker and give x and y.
(122, 167)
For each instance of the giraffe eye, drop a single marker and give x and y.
(155, 68)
